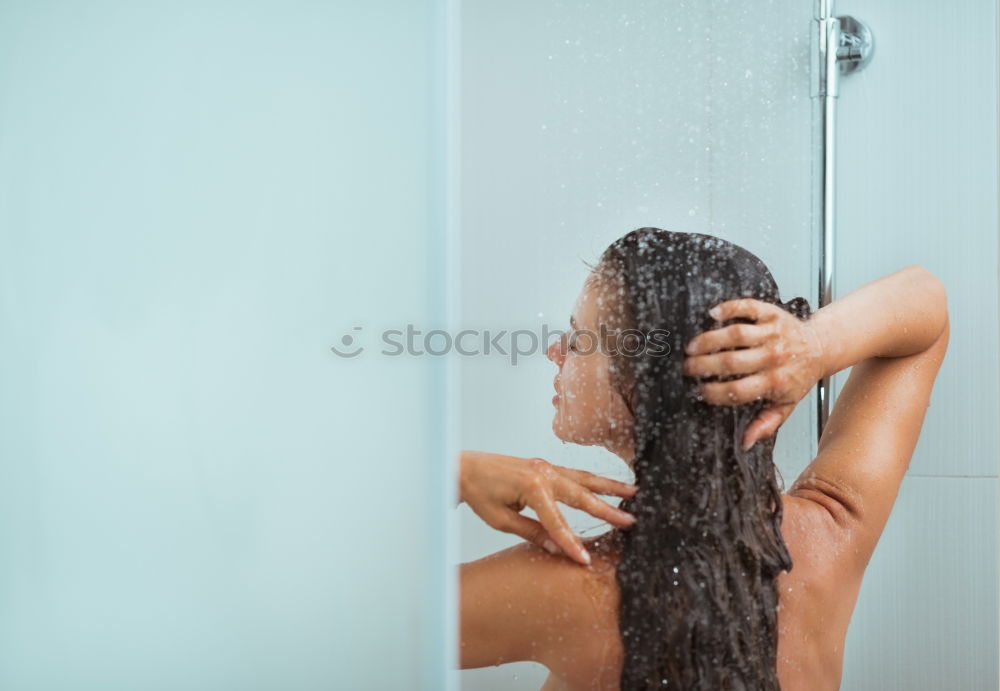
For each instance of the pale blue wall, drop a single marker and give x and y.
(582, 121)
(196, 201)
(917, 175)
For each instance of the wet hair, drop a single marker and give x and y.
(697, 572)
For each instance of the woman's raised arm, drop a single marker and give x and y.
(893, 332)
(894, 316)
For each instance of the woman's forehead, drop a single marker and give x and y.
(596, 301)
(587, 307)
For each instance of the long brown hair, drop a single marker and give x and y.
(697, 571)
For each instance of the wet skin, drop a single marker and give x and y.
(523, 603)
(816, 600)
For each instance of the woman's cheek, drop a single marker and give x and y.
(580, 388)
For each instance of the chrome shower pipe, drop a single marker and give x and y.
(841, 45)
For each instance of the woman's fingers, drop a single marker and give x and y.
(766, 424)
(555, 523)
(732, 336)
(529, 529)
(749, 308)
(578, 488)
(581, 498)
(598, 484)
(737, 391)
(728, 362)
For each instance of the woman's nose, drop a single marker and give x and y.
(554, 352)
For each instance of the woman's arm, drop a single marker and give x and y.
(783, 357)
(524, 604)
(505, 602)
(894, 331)
(894, 316)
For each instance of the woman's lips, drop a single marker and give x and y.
(555, 400)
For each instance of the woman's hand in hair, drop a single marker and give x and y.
(498, 488)
(778, 357)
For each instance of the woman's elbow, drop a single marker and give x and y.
(935, 294)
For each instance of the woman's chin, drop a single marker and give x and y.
(556, 427)
(558, 430)
(567, 436)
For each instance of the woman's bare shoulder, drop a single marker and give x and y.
(589, 655)
(565, 613)
(817, 542)
(521, 603)
(556, 586)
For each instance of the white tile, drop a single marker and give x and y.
(926, 617)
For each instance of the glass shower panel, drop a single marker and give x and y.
(582, 121)
(197, 201)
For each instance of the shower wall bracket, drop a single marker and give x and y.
(840, 46)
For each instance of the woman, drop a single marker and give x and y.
(721, 581)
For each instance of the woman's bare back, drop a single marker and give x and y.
(816, 599)
(833, 517)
